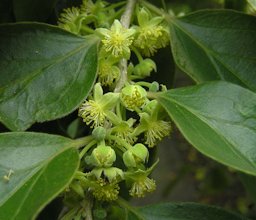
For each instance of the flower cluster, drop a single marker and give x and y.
(124, 123)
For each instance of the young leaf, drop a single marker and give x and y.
(186, 211)
(45, 73)
(216, 44)
(219, 119)
(33, 10)
(34, 168)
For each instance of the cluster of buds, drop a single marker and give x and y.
(119, 150)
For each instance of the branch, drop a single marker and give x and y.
(125, 21)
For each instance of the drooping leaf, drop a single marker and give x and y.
(42, 166)
(219, 119)
(186, 211)
(252, 3)
(33, 10)
(45, 73)
(216, 44)
(249, 183)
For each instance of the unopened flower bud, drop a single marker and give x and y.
(99, 133)
(136, 155)
(144, 68)
(103, 156)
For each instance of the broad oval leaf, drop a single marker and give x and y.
(219, 119)
(45, 73)
(42, 166)
(216, 44)
(33, 10)
(186, 211)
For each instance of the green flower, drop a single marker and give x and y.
(133, 96)
(95, 111)
(108, 73)
(117, 40)
(142, 186)
(154, 129)
(140, 182)
(71, 20)
(124, 131)
(151, 34)
(104, 191)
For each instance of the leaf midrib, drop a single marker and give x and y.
(239, 154)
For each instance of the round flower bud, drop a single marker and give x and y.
(135, 155)
(99, 133)
(133, 96)
(154, 87)
(144, 68)
(103, 156)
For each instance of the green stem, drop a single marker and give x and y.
(142, 83)
(113, 6)
(121, 202)
(137, 53)
(80, 142)
(125, 21)
(120, 141)
(84, 151)
(88, 30)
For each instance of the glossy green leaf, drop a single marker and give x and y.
(45, 73)
(186, 211)
(219, 119)
(252, 3)
(33, 10)
(216, 44)
(249, 183)
(42, 166)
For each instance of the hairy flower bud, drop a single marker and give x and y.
(99, 133)
(102, 156)
(144, 68)
(136, 155)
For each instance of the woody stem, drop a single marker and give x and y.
(125, 21)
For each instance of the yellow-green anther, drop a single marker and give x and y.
(141, 186)
(105, 191)
(133, 96)
(117, 40)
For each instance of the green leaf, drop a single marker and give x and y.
(252, 3)
(45, 73)
(186, 211)
(33, 10)
(249, 183)
(42, 165)
(219, 119)
(216, 44)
